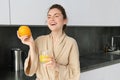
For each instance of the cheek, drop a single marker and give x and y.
(60, 21)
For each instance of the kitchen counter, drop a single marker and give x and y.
(87, 62)
(12, 75)
(97, 60)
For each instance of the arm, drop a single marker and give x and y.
(31, 61)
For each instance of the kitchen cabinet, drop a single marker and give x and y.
(105, 73)
(34, 12)
(4, 12)
(29, 12)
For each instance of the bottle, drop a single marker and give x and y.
(106, 49)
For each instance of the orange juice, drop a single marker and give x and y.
(44, 58)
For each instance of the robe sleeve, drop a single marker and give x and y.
(31, 64)
(30, 67)
(72, 70)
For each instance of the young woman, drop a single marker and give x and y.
(64, 63)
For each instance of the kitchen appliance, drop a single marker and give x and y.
(17, 64)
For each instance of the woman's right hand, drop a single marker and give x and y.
(26, 39)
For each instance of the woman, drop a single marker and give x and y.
(64, 64)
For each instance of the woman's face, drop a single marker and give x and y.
(55, 20)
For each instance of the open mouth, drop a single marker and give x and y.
(53, 24)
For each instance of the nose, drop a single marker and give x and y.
(52, 18)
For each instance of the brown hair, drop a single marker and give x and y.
(59, 7)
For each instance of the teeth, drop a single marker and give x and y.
(53, 24)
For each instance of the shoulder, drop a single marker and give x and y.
(41, 38)
(72, 43)
(71, 40)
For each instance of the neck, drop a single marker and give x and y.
(56, 35)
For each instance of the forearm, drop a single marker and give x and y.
(31, 61)
(33, 52)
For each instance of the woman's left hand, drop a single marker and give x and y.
(52, 63)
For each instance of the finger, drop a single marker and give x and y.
(18, 35)
(53, 59)
(51, 62)
(24, 37)
(48, 63)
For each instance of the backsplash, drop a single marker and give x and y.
(90, 39)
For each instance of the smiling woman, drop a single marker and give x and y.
(64, 62)
(57, 15)
(55, 20)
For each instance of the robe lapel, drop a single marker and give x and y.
(50, 45)
(60, 46)
(57, 50)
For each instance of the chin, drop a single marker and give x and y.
(52, 28)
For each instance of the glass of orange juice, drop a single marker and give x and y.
(44, 56)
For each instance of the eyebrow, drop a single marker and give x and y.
(55, 14)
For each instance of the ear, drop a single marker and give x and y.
(65, 21)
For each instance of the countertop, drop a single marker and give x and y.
(97, 60)
(14, 75)
(87, 62)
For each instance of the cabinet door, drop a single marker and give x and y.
(34, 12)
(110, 72)
(29, 12)
(4, 12)
(80, 12)
(96, 74)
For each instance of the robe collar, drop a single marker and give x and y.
(55, 49)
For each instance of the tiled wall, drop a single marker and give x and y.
(89, 39)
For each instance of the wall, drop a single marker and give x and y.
(80, 12)
(90, 39)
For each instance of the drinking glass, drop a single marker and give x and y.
(44, 56)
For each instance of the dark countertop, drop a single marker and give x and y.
(97, 60)
(14, 75)
(87, 62)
